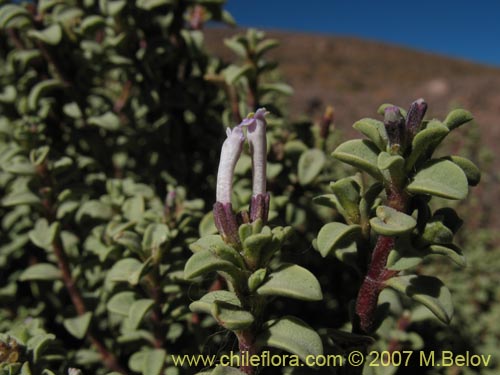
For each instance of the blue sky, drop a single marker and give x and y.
(461, 28)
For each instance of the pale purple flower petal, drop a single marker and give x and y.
(230, 153)
(258, 146)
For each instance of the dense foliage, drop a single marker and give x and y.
(112, 118)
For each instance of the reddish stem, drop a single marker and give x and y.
(246, 341)
(366, 303)
(110, 361)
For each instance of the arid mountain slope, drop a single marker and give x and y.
(356, 76)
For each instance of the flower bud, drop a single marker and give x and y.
(394, 123)
(415, 116)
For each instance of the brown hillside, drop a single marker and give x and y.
(356, 76)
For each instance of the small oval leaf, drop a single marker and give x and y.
(391, 222)
(291, 280)
(310, 165)
(429, 291)
(374, 130)
(42, 272)
(360, 153)
(441, 178)
(79, 325)
(335, 236)
(457, 117)
(471, 171)
(293, 335)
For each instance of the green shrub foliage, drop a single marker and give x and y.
(112, 117)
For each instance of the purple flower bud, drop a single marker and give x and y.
(230, 153)
(415, 116)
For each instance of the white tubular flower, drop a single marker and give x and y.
(258, 147)
(230, 153)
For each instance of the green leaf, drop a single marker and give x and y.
(441, 178)
(154, 361)
(347, 193)
(266, 45)
(335, 236)
(133, 208)
(112, 7)
(472, 172)
(450, 251)
(404, 255)
(42, 272)
(8, 94)
(256, 279)
(38, 345)
(391, 167)
(156, 234)
(9, 12)
(280, 88)
(207, 225)
(327, 200)
(457, 117)
(293, 281)
(253, 247)
(92, 22)
(152, 4)
(374, 130)
(79, 325)
(436, 232)
(310, 165)
(292, 335)
(94, 209)
(108, 121)
(391, 222)
(429, 291)
(120, 303)
(206, 261)
(19, 166)
(236, 46)
(41, 89)
(360, 153)
(20, 198)
(137, 311)
(449, 217)
(25, 369)
(233, 73)
(381, 109)
(425, 142)
(347, 254)
(130, 240)
(230, 316)
(52, 35)
(204, 305)
(42, 235)
(124, 270)
(209, 242)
